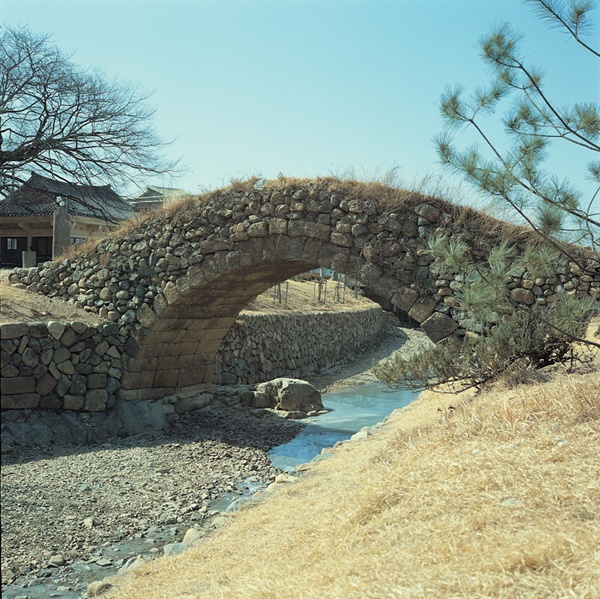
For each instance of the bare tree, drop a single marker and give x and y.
(68, 123)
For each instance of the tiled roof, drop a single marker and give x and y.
(38, 197)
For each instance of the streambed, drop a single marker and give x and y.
(351, 410)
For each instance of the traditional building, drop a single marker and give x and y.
(154, 197)
(43, 217)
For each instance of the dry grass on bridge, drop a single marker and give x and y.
(499, 497)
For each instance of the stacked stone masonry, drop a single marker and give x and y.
(70, 366)
(175, 282)
(263, 347)
(73, 366)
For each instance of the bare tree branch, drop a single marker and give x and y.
(68, 123)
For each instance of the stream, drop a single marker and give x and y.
(351, 411)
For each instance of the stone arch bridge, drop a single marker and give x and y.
(174, 281)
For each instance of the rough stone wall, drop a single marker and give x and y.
(262, 347)
(73, 366)
(524, 289)
(70, 366)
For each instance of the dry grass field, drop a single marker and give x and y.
(489, 495)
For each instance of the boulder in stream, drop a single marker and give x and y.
(289, 395)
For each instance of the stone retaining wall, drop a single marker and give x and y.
(70, 366)
(262, 347)
(73, 366)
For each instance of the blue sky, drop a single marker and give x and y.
(303, 88)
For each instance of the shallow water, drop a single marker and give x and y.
(351, 410)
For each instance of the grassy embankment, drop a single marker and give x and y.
(499, 497)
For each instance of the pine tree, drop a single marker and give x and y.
(512, 175)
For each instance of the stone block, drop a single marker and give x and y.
(13, 330)
(45, 384)
(157, 350)
(171, 293)
(73, 402)
(66, 367)
(405, 298)
(342, 239)
(113, 384)
(38, 330)
(258, 229)
(96, 381)
(132, 347)
(69, 337)
(202, 373)
(278, 226)
(23, 401)
(147, 393)
(63, 385)
(95, 400)
(164, 324)
(101, 348)
(113, 352)
(9, 371)
(428, 212)
(137, 380)
(78, 384)
(18, 384)
(143, 364)
(312, 247)
(186, 349)
(61, 355)
(160, 304)
(79, 327)
(370, 274)
(195, 402)
(165, 363)
(193, 359)
(438, 326)
(524, 296)
(166, 378)
(51, 402)
(422, 309)
(173, 335)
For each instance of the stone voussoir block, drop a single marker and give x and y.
(135, 380)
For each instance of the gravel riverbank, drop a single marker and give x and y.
(65, 509)
(72, 502)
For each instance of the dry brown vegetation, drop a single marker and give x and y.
(19, 305)
(495, 495)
